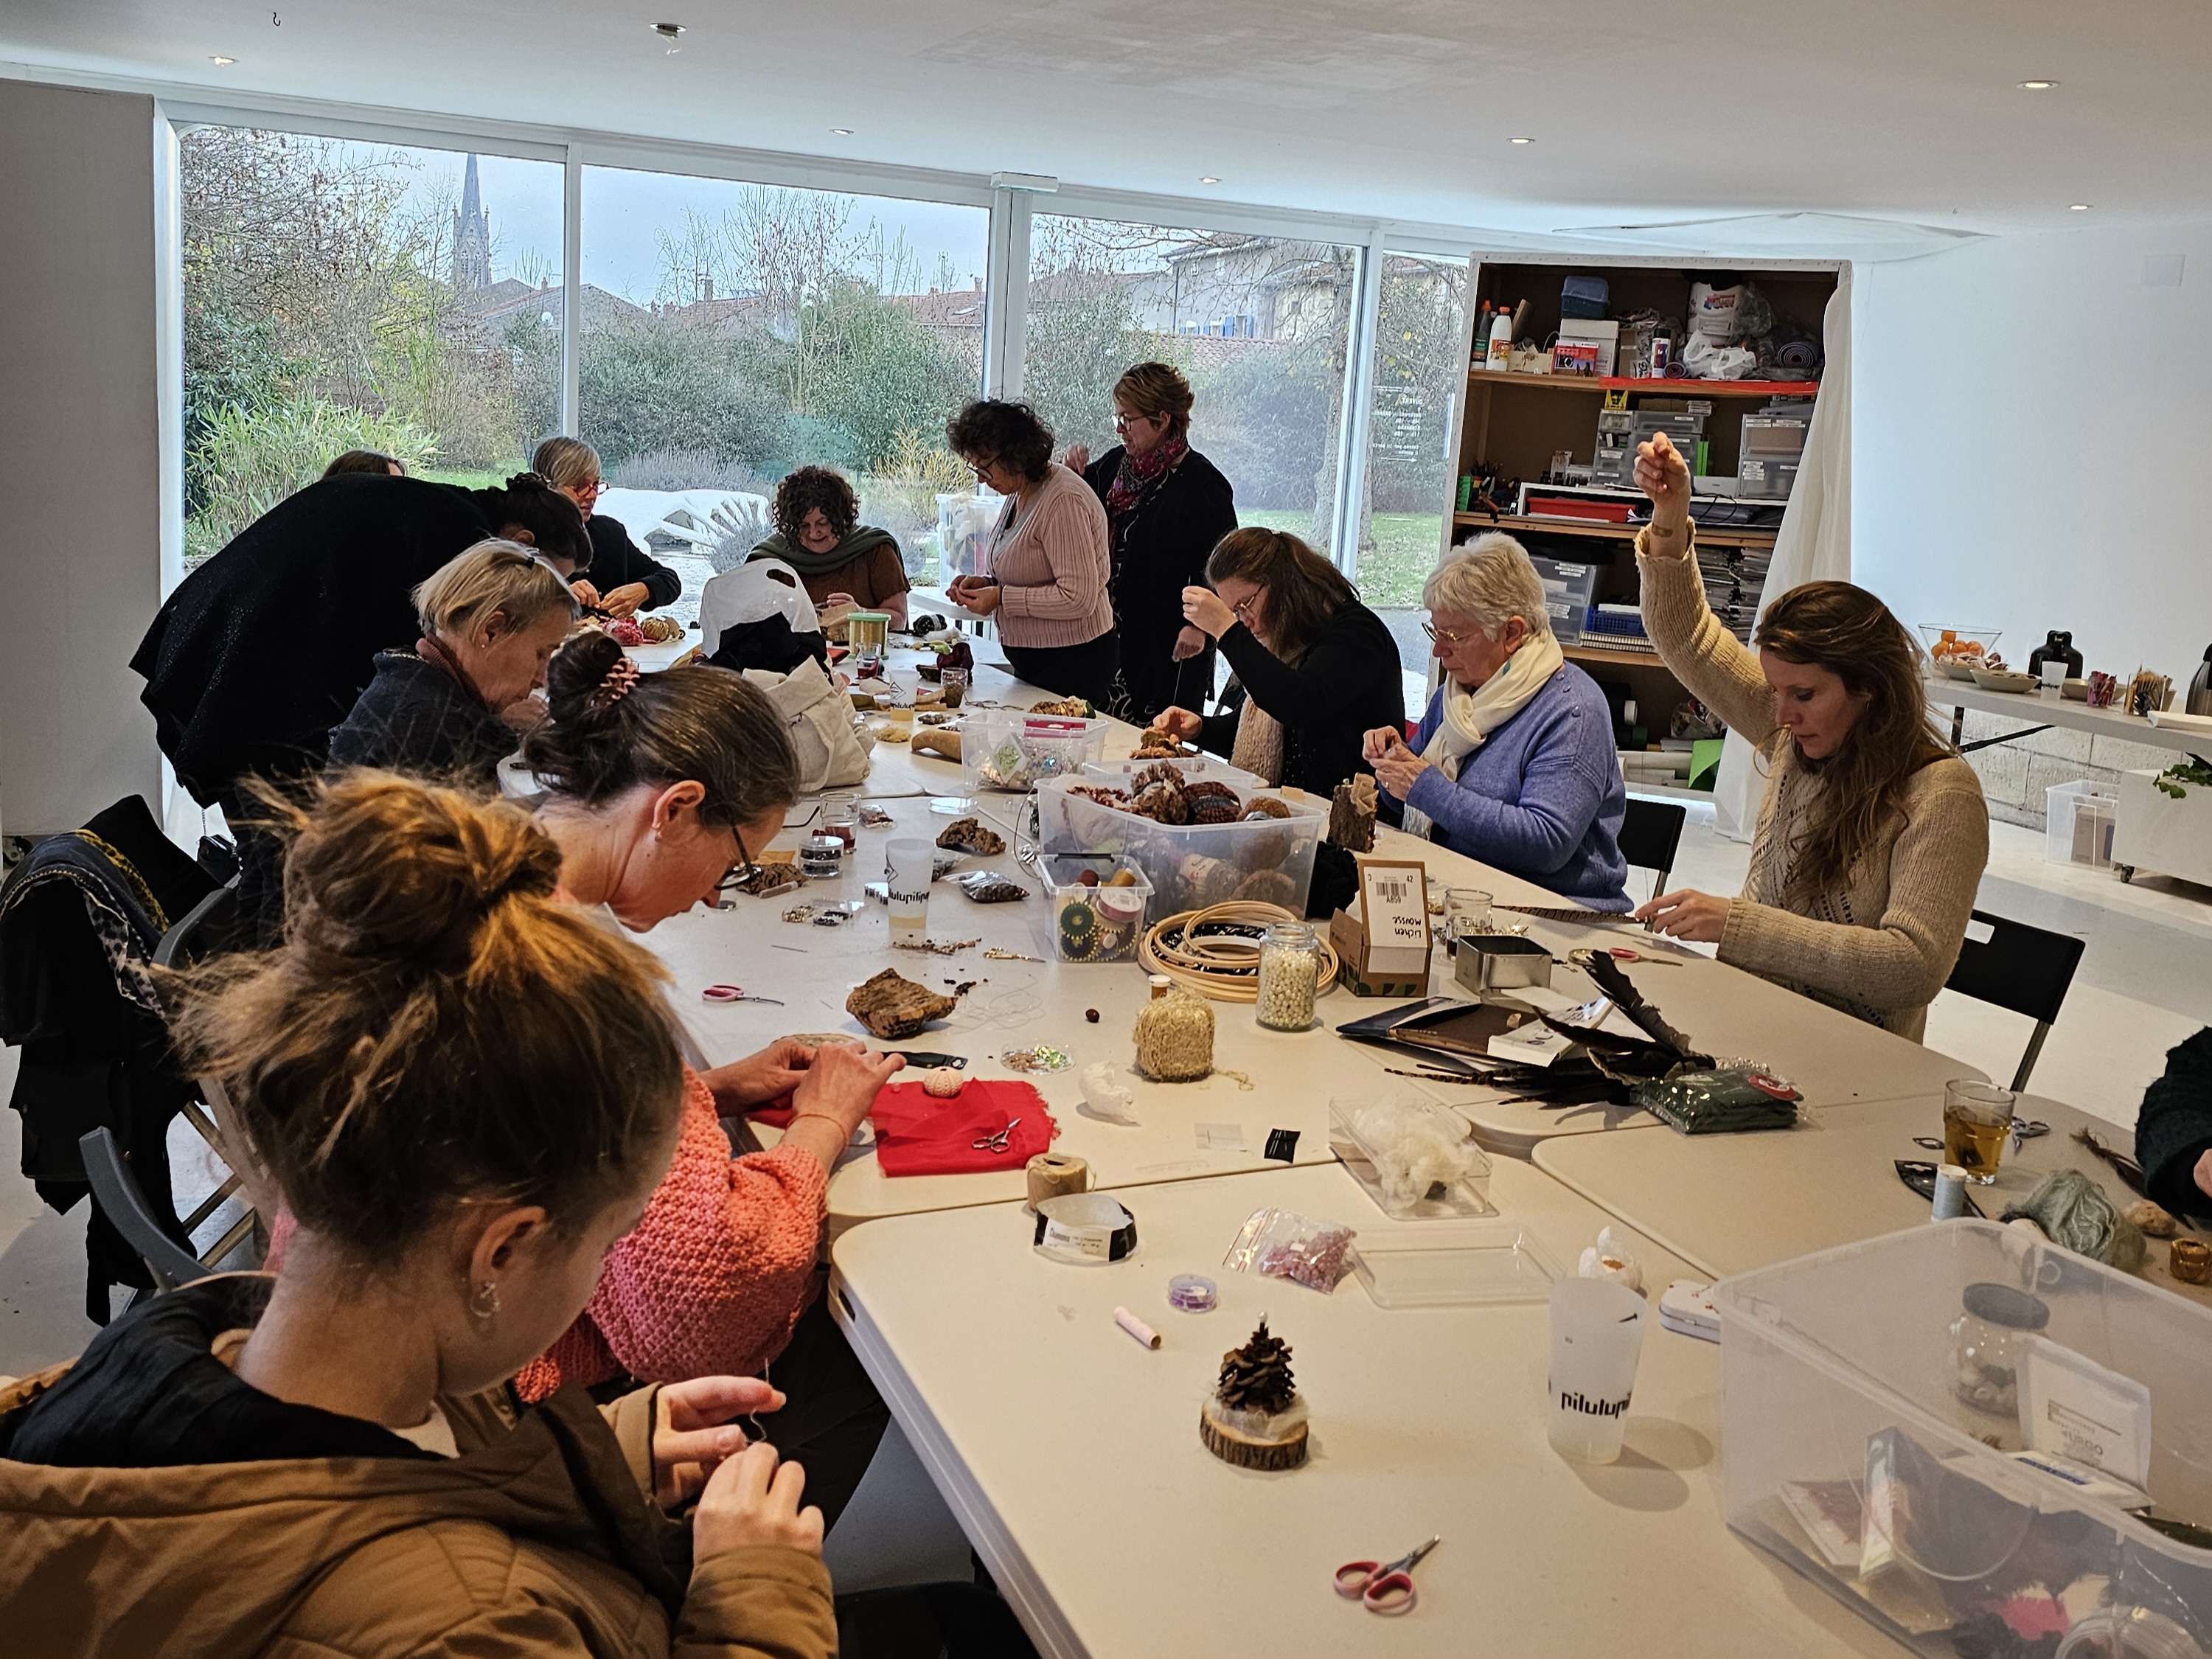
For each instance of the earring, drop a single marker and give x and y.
(484, 1303)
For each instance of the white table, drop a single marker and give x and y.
(2043, 708)
(1729, 1203)
(895, 770)
(1071, 1454)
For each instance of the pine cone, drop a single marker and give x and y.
(1257, 1377)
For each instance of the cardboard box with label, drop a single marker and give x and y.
(1383, 942)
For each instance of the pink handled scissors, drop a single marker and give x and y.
(733, 993)
(1385, 1587)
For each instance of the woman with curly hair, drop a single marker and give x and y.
(820, 534)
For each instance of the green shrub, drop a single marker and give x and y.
(249, 460)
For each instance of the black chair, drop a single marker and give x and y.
(207, 928)
(1650, 834)
(2026, 970)
(116, 1192)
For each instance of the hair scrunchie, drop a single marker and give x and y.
(615, 684)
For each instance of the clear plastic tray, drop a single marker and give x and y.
(1465, 1200)
(1498, 1261)
(1094, 924)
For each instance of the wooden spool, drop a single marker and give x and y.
(1247, 1451)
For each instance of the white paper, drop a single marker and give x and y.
(2070, 1406)
(1220, 1137)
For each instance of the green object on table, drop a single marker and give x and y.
(2074, 1212)
(1705, 761)
(1719, 1100)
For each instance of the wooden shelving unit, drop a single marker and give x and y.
(1516, 422)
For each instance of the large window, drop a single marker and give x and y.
(1260, 326)
(343, 295)
(1418, 379)
(732, 331)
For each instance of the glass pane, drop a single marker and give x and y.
(733, 332)
(1259, 326)
(1418, 378)
(342, 296)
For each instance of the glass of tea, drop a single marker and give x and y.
(1977, 1122)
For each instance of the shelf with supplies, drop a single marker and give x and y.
(1662, 388)
(1613, 656)
(1720, 536)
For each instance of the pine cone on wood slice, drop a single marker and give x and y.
(1255, 1387)
(1257, 1377)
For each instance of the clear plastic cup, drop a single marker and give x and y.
(910, 863)
(1597, 1336)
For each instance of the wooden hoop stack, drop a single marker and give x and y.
(1224, 966)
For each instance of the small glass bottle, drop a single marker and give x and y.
(1988, 1339)
(1289, 976)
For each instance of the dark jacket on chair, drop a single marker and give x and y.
(1158, 548)
(617, 561)
(1347, 683)
(2174, 1129)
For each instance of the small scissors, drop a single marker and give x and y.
(735, 993)
(996, 1143)
(1386, 1587)
(1620, 953)
(2023, 1131)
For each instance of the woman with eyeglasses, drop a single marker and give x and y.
(623, 578)
(1514, 762)
(662, 789)
(1315, 668)
(1166, 506)
(1048, 560)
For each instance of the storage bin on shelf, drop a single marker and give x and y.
(1191, 866)
(1854, 1453)
(1101, 923)
(1009, 749)
(2077, 824)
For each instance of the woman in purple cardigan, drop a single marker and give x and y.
(1514, 763)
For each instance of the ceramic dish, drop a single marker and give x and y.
(2003, 680)
(2174, 720)
(1956, 671)
(2076, 690)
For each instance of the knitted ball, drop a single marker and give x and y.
(1173, 1036)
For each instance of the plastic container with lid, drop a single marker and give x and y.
(2077, 824)
(1100, 920)
(1010, 750)
(1839, 1377)
(1989, 1337)
(1191, 866)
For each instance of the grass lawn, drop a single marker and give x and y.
(1391, 572)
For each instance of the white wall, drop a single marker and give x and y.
(2034, 443)
(80, 546)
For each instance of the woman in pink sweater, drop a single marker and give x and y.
(660, 786)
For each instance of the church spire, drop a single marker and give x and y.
(472, 235)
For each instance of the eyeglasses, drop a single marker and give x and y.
(592, 488)
(1243, 609)
(1123, 422)
(742, 874)
(1450, 640)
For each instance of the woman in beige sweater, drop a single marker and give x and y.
(1873, 834)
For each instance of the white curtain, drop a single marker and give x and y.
(1815, 541)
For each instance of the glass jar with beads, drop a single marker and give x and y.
(1290, 977)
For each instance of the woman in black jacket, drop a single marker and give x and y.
(1166, 508)
(623, 577)
(2173, 1131)
(1316, 667)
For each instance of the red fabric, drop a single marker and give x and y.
(917, 1133)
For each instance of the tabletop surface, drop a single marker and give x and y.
(1731, 1203)
(2038, 708)
(1072, 1453)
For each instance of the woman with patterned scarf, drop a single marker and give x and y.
(1166, 506)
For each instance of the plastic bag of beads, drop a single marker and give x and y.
(1724, 1099)
(1281, 1243)
(989, 887)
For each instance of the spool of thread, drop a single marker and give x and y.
(1052, 1174)
(1192, 1292)
(1950, 1192)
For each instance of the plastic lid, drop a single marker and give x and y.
(1192, 1292)
(2000, 1304)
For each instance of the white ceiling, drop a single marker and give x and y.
(1660, 110)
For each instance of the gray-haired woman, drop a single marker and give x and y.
(1514, 762)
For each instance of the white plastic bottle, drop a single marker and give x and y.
(1501, 340)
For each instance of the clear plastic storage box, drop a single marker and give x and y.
(2077, 825)
(1101, 923)
(1010, 750)
(1191, 866)
(1868, 1442)
(1115, 775)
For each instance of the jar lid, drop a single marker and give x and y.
(2000, 1304)
(829, 844)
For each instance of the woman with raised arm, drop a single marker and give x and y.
(1873, 833)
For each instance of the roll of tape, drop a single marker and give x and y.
(1087, 1229)
(1052, 1174)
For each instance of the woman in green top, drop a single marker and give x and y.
(843, 563)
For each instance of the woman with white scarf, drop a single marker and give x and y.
(1514, 762)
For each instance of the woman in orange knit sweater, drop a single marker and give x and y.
(660, 788)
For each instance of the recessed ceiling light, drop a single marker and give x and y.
(2077, 207)
(667, 31)
(842, 132)
(1520, 141)
(1209, 180)
(220, 61)
(2037, 86)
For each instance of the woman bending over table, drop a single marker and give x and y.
(843, 562)
(468, 1093)
(1047, 586)
(1514, 762)
(1872, 834)
(1315, 668)
(661, 789)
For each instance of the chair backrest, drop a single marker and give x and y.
(116, 1192)
(202, 930)
(1650, 833)
(2024, 969)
